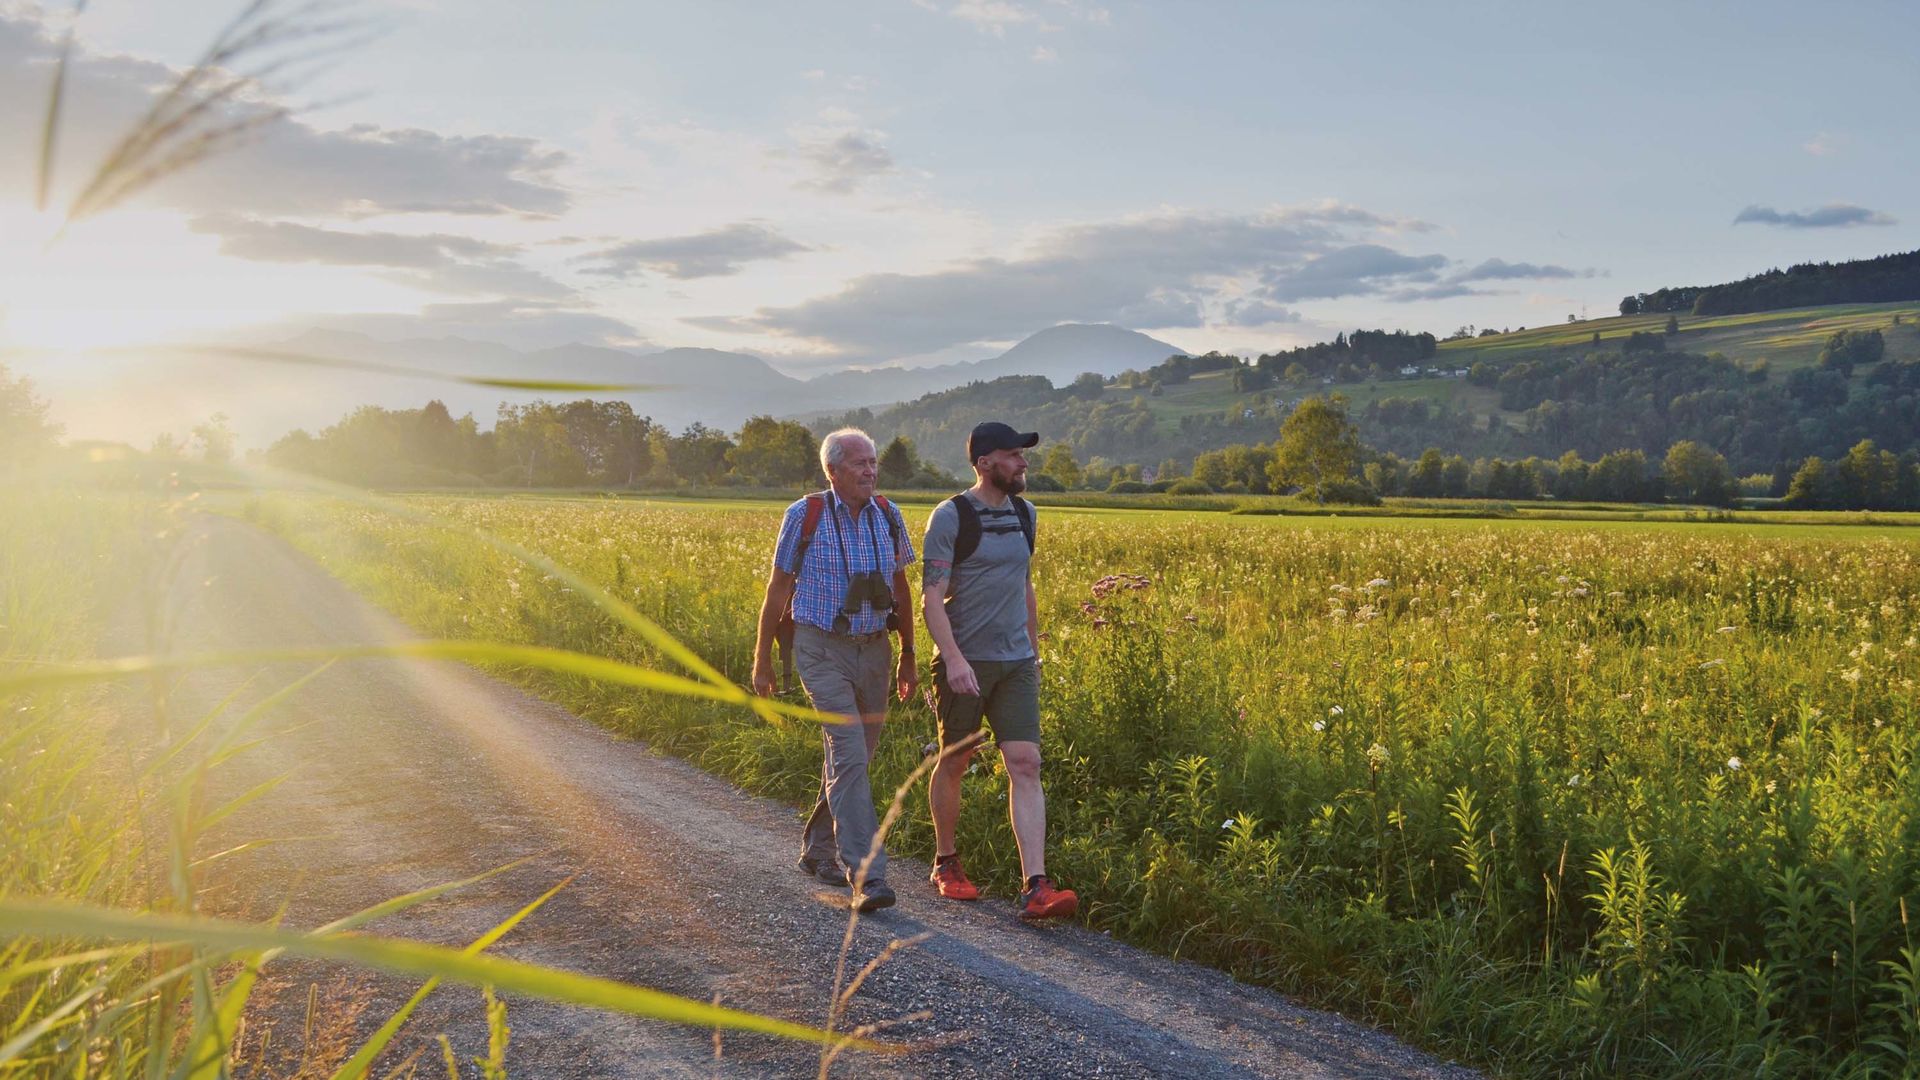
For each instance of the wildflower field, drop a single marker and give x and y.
(1555, 798)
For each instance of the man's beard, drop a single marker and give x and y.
(1008, 482)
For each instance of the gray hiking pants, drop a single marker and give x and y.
(848, 676)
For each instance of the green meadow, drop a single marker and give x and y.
(1562, 798)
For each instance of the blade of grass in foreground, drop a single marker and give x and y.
(361, 1061)
(474, 652)
(50, 919)
(278, 356)
(621, 611)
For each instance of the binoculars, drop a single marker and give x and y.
(869, 587)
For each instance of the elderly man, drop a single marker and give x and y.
(840, 564)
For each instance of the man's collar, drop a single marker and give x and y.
(835, 500)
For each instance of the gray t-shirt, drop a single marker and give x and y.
(987, 595)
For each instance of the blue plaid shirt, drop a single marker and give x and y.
(841, 544)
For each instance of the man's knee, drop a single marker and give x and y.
(1022, 760)
(954, 761)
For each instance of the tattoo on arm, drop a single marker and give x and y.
(935, 575)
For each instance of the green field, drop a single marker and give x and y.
(1562, 798)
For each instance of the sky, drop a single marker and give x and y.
(865, 182)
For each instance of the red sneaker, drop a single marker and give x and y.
(952, 881)
(1042, 900)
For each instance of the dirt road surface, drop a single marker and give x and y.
(403, 775)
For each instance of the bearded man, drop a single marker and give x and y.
(980, 609)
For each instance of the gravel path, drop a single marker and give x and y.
(408, 774)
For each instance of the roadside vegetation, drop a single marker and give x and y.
(110, 837)
(1557, 799)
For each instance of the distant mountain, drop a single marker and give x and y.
(709, 386)
(1060, 353)
(263, 400)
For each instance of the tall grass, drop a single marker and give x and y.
(1563, 802)
(106, 965)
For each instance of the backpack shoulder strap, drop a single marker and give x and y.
(809, 524)
(967, 540)
(1024, 510)
(892, 517)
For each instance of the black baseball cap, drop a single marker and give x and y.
(994, 435)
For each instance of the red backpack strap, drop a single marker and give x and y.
(892, 518)
(809, 524)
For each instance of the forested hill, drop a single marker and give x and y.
(1766, 391)
(1886, 279)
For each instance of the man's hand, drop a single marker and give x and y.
(907, 678)
(763, 678)
(961, 679)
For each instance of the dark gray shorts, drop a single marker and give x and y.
(1009, 700)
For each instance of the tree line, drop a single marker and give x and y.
(1319, 454)
(582, 443)
(1885, 279)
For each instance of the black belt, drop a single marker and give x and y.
(858, 639)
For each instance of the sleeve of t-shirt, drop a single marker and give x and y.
(906, 538)
(787, 548)
(943, 528)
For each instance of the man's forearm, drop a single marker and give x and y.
(903, 609)
(938, 628)
(779, 593)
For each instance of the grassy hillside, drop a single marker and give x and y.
(1785, 339)
(1212, 393)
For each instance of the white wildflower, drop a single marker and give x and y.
(1378, 583)
(1377, 755)
(1734, 763)
(1336, 711)
(1575, 780)
(1228, 824)
(1726, 630)
(1319, 725)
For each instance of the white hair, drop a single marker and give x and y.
(833, 448)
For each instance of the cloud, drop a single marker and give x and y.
(997, 16)
(1432, 292)
(291, 168)
(518, 324)
(437, 262)
(843, 161)
(1156, 271)
(1830, 216)
(286, 241)
(1825, 143)
(1044, 55)
(1359, 270)
(1258, 313)
(716, 253)
(994, 16)
(1502, 270)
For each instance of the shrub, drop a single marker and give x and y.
(1043, 482)
(1189, 486)
(1349, 493)
(1127, 487)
